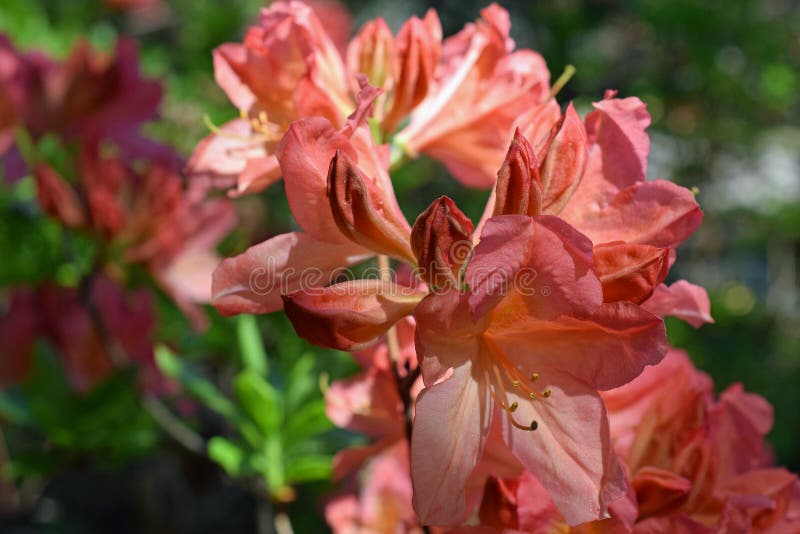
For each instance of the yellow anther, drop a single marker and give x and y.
(546, 393)
(516, 383)
(534, 377)
(532, 395)
(514, 406)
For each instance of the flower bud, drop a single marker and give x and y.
(562, 161)
(442, 240)
(518, 190)
(371, 52)
(364, 213)
(418, 51)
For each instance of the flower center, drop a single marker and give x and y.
(498, 372)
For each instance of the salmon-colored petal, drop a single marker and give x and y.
(229, 61)
(451, 420)
(742, 418)
(542, 259)
(419, 49)
(305, 155)
(630, 272)
(657, 213)
(570, 450)
(659, 492)
(683, 300)
(371, 51)
(618, 148)
(349, 315)
(606, 350)
(233, 156)
(564, 161)
(482, 91)
(254, 281)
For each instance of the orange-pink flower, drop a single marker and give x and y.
(464, 96)
(482, 88)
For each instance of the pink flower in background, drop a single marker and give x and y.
(697, 462)
(382, 504)
(92, 333)
(90, 95)
(146, 213)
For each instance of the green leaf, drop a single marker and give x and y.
(308, 468)
(302, 381)
(227, 454)
(192, 381)
(251, 345)
(309, 421)
(260, 401)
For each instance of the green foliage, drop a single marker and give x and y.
(65, 426)
(280, 434)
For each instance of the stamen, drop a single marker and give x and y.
(514, 406)
(532, 395)
(534, 425)
(546, 393)
(516, 383)
(534, 377)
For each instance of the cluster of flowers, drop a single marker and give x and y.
(506, 381)
(119, 188)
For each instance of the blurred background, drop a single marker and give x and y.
(722, 83)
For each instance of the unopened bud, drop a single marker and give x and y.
(518, 190)
(364, 213)
(442, 240)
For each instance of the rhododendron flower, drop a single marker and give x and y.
(90, 95)
(289, 68)
(332, 203)
(149, 214)
(695, 461)
(533, 360)
(482, 88)
(592, 174)
(464, 96)
(69, 321)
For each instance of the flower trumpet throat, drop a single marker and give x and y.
(498, 372)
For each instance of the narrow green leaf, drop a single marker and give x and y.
(227, 454)
(192, 381)
(260, 401)
(251, 345)
(308, 468)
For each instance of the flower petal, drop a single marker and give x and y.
(657, 213)
(570, 451)
(629, 271)
(253, 281)
(683, 300)
(452, 418)
(349, 315)
(542, 259)
(606, 350)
